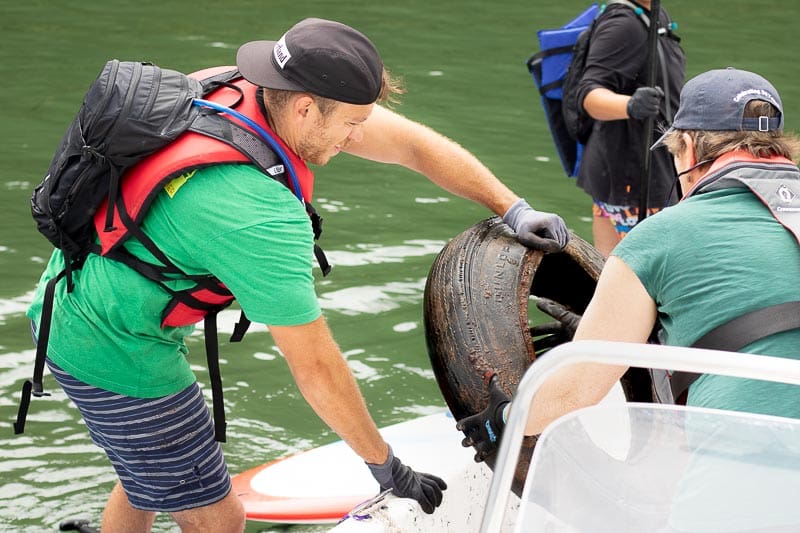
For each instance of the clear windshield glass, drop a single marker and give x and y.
(663, 468)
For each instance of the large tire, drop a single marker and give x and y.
(476, 312)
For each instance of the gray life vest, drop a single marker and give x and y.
(777, 185)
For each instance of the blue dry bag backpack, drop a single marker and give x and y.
(559, 54)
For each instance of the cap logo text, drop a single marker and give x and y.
(756, 92)
(281, 52)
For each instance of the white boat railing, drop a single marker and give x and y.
(742, 365)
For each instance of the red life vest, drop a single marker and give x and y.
(145, 180)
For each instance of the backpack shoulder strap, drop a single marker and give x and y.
(214, 376)
(35, 386)
(638, 10)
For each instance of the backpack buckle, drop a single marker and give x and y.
(38, 390)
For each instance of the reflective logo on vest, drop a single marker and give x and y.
(785, 194)
(274, 171)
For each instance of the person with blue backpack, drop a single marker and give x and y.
(204, 220)
(612, 90)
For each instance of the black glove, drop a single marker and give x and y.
(645, 103)
(537, 229)
(569, 320)
(405, 483)
(483, 430)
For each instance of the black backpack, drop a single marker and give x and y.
(577, 121)
(129, 112)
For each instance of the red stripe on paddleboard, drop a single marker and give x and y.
(268, 508)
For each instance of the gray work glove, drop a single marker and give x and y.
(569, 320)
(645, 103)
(537, 229)
(405, 483)
(483, 430)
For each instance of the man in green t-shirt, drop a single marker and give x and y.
(316, 89)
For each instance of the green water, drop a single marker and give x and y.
(463, 65)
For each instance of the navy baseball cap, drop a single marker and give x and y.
(323, 57)
(715, 101)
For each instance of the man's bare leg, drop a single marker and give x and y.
(224, 516)
(120, 517)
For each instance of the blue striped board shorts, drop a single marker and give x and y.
(163, 449)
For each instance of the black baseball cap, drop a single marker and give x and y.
(323, 57)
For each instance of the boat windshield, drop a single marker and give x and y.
(662, 468)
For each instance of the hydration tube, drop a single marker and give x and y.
(264, 134)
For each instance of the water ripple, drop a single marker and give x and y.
(373, 299)
(15, 306)
(371, 254)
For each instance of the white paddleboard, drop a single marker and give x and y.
(323, 484)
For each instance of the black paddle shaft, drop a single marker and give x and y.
(652, 43)
(80, 525)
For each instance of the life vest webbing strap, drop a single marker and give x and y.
(240, 328)
(324, 265)
(185, 297)
(212, 357)
(316, 226)
(156, 273)
(134, 229)
(737, 333)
